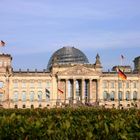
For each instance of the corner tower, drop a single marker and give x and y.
(5, 63)
(137, 64)
(5, 73)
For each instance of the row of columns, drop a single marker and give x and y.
(88, 90)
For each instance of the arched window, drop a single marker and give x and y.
(112, 96)
(32, 96)
(15, 96)
(106, 96)
(127, 95)
(16, 106)
(39, 96)
(120, 95)
(23, 96)
(32, 106)
(134, 95)
(23, 106)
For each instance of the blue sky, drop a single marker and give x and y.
(34, 29)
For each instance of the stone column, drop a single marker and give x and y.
(124, 91)
(90, 91)
(83, 90)
(74, 91)
(131, 92)
(66, 91)
(108, 88)
(94, 90)
(100, 91)
(116, 90)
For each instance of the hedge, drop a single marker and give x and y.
(69, 124)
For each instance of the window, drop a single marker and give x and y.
(16, 106)
(120, 96)
(127, 84)
(105, 84)
(40, 96)
(106, 96)
(113, 105)
(31, 84)
(24, 84)
(39, 85)
(134, 85)
(15, 84)
(127, 96)
(48, 84)
(15, 96)
(23, 106)
(1, 84)
(32, 106)
(32, 96)
(112, 85)
(112, 96)
(134, 95)
(120, 85)
(23, 96)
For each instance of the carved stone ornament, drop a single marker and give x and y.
(77, 70)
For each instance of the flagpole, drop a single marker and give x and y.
(122, 58)
(121, 61)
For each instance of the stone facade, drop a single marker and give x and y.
(66, 84)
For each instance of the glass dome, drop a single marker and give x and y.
(67, 55)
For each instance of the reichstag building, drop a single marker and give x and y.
(68, 80)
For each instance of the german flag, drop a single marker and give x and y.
(122, 75)
(2, 43)
(60, 91)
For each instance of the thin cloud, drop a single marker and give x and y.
(72, 9)
(102, 40)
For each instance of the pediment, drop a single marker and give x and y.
(77, 70)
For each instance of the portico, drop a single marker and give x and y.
(77, 90)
